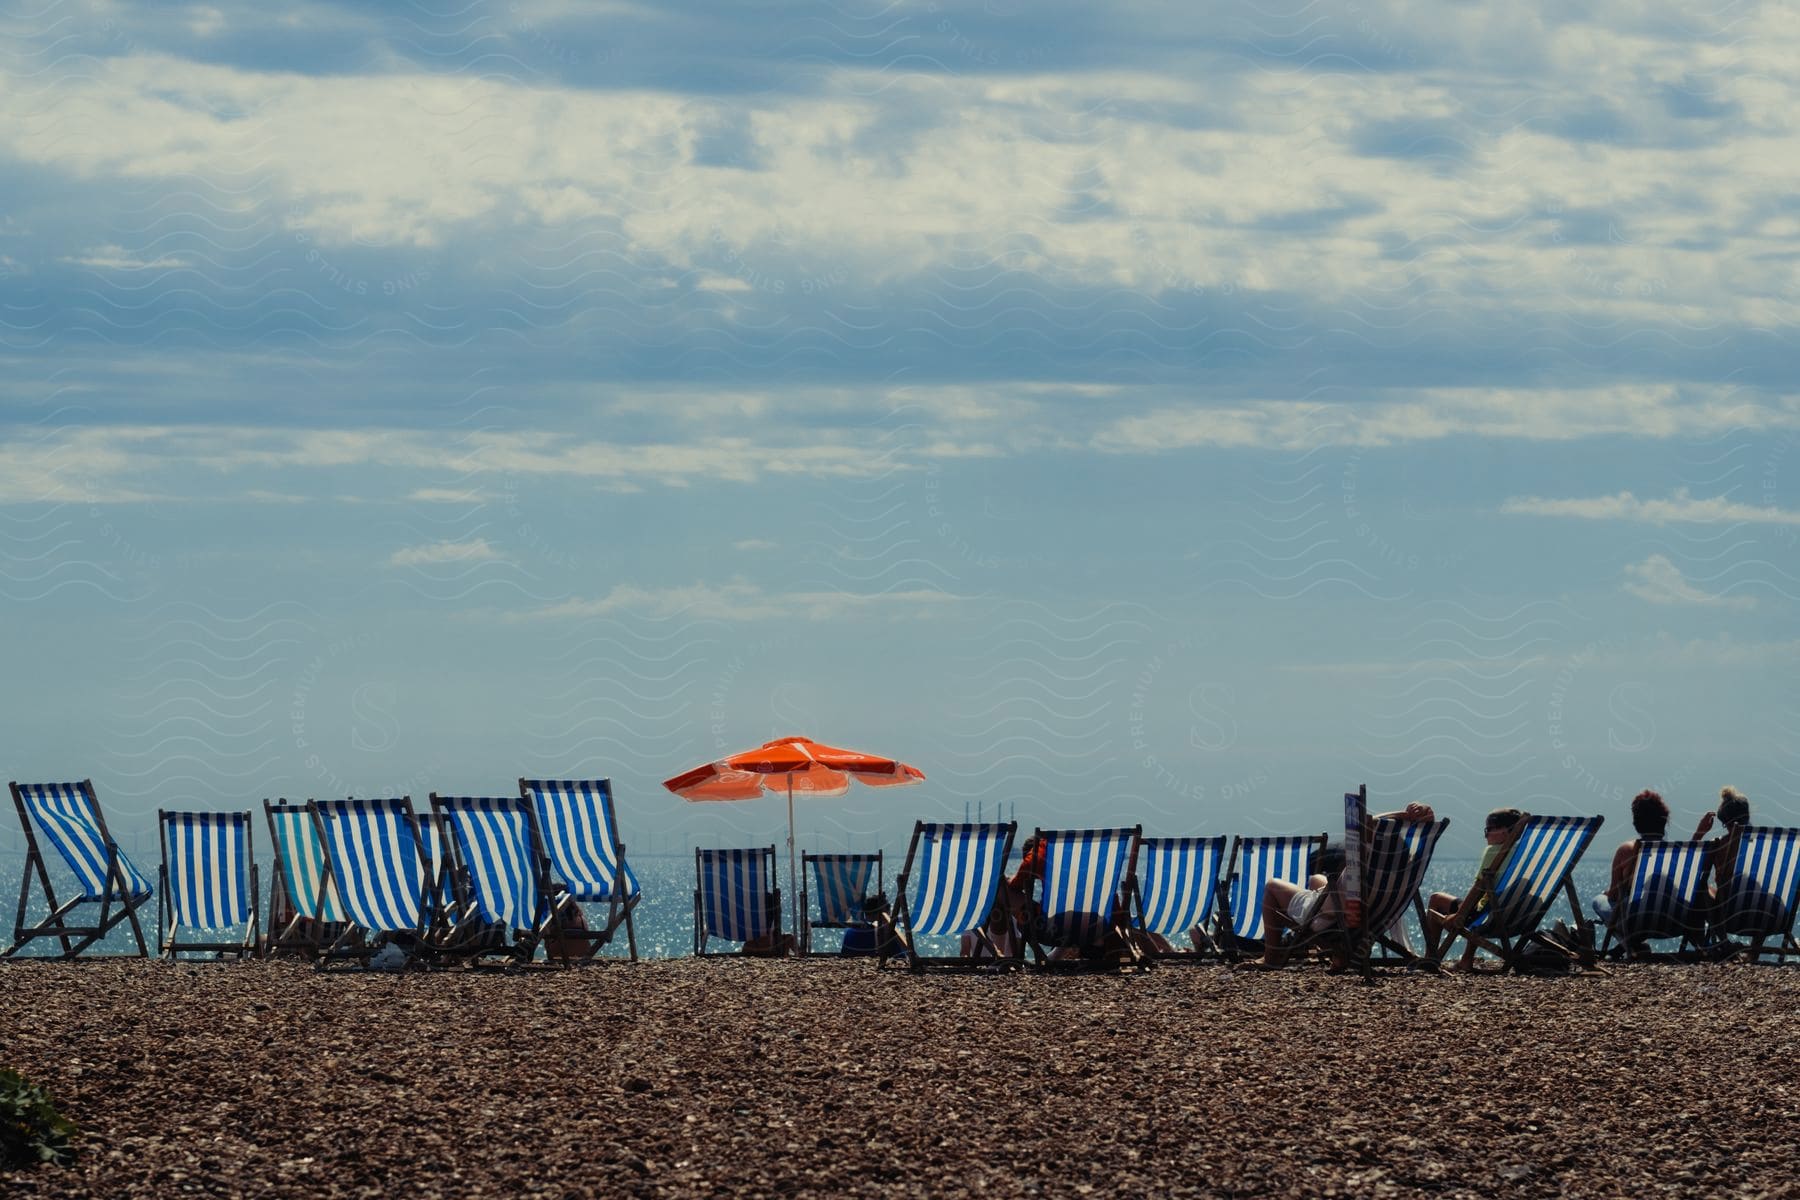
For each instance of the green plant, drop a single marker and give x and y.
(31, 1130)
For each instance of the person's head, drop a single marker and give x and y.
(1734, 806)
(1649, 814)
(1330, 861)
(1500, 823)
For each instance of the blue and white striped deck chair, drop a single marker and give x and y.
(1255, 861)
(307, 914)
(734, 897)
(503, 891)
(1176, 889)
(440, 865)
(948, 887)
(70, 819)
(835, 892)
(1395, 855)
(1085, 875)
(581, 839)
(374, 858)
(208, 882)
(1538, 862)
(1663, 901)
(1760, 901)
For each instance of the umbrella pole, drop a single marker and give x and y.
(793, 870)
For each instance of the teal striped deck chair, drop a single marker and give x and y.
(947, 888)
(69, 817)
(1175, 894)
(502, 886)
(1664, 900)
(375, 858)
(836, 892)
(305, 914)
(209, 884)
(735, 898)
(1502, 914)
(580, 837)
(1079, 912)
(1254, 862)
(1758, 903)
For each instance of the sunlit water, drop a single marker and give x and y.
(665, 919)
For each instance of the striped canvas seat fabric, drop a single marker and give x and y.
(734, 892)
(1760, 899)
(1083, 872)
(376, 862)
(64, 812)
(1258, 860)
(575, 819)
(1663, 890)
(1178, 880)
(840, 885)
(956, 872)
(1399, 854)
(209, 859)
(1542, 856)
(303, 862)
(494, 843)
(437, 862)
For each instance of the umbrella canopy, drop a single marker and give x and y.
(795, 766)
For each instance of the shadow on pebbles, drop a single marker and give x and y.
(829, 1078)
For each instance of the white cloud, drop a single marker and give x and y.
(1679, 508)
(753, 544)
(120, 259)
(433, 495)
(432, 553)
(1660, 581)
(740, 600)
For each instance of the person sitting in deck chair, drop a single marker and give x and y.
(1650, 820)
(1000, 930)
(1443, 906)
(1742, 897)
(1315, 906)
(773, 944)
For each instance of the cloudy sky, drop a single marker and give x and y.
(1116, 411)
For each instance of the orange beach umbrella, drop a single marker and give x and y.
(790, 764)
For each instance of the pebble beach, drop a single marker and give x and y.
(828, 1078)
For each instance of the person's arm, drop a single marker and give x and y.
(1624, 859)
(1412, 812)
(1701, 830)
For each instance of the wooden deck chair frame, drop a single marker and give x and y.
(74, 939)
(466, 935)
(1209, 949)
(1613, 945)
(807, 924)
(771, 898)
(357, 944)
(1043, 941)
(287, 934)
(566, 928)
(1756, 949)
(1357, 946)
(1232, 946)
(1512, 946)
(168, 940)
(900, 919)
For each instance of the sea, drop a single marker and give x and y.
(664, 920)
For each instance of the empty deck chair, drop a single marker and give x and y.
(1254, 862)
(1393, 857)
(305, 915)
(1176, 887)
(581, 839)
(836, 891)
(208, 883)
(1663, 901)
(375, 860)
(70, 819)
(735, 898)
(1077, 912)
(1759, 902)
(947, 888)
(503, 891)
(1502, 914)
